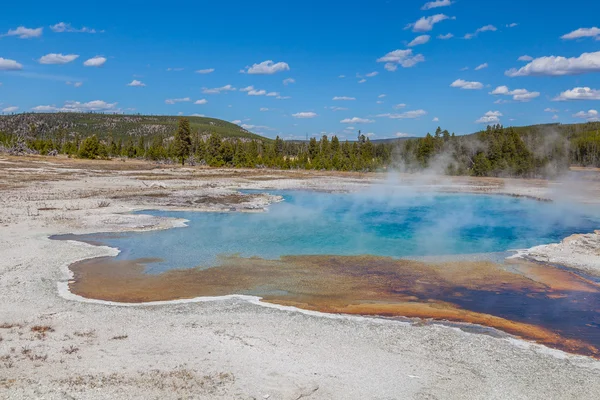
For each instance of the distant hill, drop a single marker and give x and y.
(117, 126)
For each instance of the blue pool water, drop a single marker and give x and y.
(376, 223)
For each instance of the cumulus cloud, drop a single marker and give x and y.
(283, 97)
(402, 135)
(525, 58)
(63, 27)
(381, 96)
(9, 65)
(512, 25)
(581, 33)
(436, 4)
(136, 83)
(462, 84)
(255, 92)
(425, 24)
(356, 120)
(266, 68)
(487, 28)
(306, 114)
(551, 110)
(201, 101)
(54, 58)
(226, 88)
(289, 81)
(435, 119)
(405, 115)
(205, 71)
(173, 101)
(481, 66)
(10, 109)
(557, 66)
(591, 115)
(517, 94)
(579, 93)
(419, 40)
(97, 61)
(490, 117)
(446, 36)
(76, 106)
(399, 106)
(336, 98)
(273, 94)
(25, 33)
(405, 58)
(372, 74)
(362, 81)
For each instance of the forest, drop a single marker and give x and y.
(534, 151)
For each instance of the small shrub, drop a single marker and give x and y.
(103, 204)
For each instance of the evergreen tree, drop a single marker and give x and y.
(182, 142)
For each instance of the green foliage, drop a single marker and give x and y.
(182, 143)
(91, 148)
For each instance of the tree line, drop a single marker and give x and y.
(496, 151)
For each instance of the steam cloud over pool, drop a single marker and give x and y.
(378, 223)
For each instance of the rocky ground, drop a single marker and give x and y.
(53, 346)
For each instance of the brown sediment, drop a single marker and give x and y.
(482, 293)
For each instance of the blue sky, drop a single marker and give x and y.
(278, 65)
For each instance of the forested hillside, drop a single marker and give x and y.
(533, 151)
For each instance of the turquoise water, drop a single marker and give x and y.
(381, 223)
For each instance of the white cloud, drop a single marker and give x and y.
(342, 76)
(399, 106)
(512, 25)
(267, 68)
(381, 96)
(226, 88)
(201, 101)
(591, 115)
(236, 121)
(372, 74)
(173, 101)
(62, 27)
(557, 66)
(136, 83)
(405, 58)
(304, 115)
(336, 98)
(462, 84)
(25, 33)
(525, 58)
(362, 81)
(10, 109)
(255, 92)
(446, 36)
(273, 94)
(482, 66)
(247, 88)
(551, 110)
(581, 33)
(517, 94)
(264, 109)
(487, 28)
(356, 120)
(436, 119)
(579, 93)
(436, 4)
(76, 106)
(425, 24)
(283, 97)
(419, 40)
(405, 115)
(402, 135)
(289, 81)
(197, 115)
(490, 117)
(54, 58)
(95, 62)
(555, 117)
(175, 69)
(9, 65)
(75, 84)
(205, 71)
(333, 108)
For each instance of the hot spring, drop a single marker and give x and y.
(381, 253)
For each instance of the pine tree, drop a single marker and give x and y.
(183, 140)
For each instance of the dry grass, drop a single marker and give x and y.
(119, 337)
(8, 325)
(70, 350)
